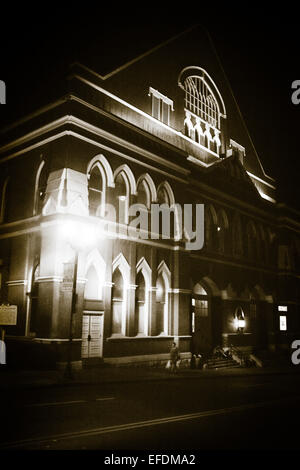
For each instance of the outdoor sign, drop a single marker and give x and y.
(8, 314)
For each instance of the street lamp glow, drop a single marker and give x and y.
(78, 234)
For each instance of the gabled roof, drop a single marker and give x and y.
(160, 68)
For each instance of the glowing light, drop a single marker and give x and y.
(78, 234)
(282, 323)
(241, 323)
(282, 308)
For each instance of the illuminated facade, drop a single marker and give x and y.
(160, 131)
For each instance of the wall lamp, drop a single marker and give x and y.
(239, 320)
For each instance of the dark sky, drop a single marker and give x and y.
(259, 54)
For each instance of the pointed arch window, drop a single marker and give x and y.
(161, 305)
(40, 188)
(140, 304)
(162, 299)
(118, 299)
(96, 190)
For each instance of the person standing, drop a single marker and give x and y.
(174, 357)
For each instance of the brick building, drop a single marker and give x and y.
(162, 129)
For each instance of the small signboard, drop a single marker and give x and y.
(8, 314)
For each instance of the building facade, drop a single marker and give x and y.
(163, 129)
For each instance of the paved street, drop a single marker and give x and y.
(203, 413)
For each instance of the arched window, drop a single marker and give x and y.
(204, 107)
(142, 297)
(140, 304)
(95, 276)
(96, 190)
(40, 188)
(162, 299)
(199, 318)
(120, 282)
(165, 196)
(92, 286)
(117, 302)
(122, 198)
(161, 305)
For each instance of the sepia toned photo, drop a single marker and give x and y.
(149, 237)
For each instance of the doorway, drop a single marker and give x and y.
(92, 335)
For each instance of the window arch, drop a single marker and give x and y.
(204, 107)
(120, 283)
(146, 190)
(125, 185)
(142, 298)
(162, 299)
(97, 186)
(40, 188)
(117, 302)
(100, 177)
(165, 196)
(95, 276)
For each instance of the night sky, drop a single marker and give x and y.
(258, 52)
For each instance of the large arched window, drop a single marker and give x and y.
(204, 107)
(142, 298)
(165, 196)
(162, 299)
(140, 304)
(200, 100)
(96, 190)
(120, 283)
(125, 185)
(161, 305)
(95, 276)
(117, 302)
(40, 188)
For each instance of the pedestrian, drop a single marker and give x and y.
(174, 357)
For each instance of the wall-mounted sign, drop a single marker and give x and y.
(282, 308)
(8, 314)
(282, 323)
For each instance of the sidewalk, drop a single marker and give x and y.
(27, 379)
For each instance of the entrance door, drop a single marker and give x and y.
(92, 335)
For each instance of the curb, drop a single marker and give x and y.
(202, 375)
